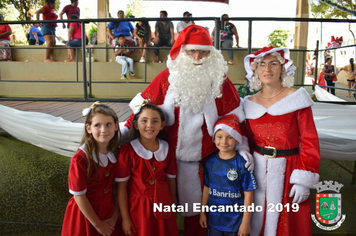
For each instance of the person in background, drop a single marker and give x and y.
(122, 54)
(35, 35)
(70, 9)
(284, 143)
(121, 28)
(329, 73)
(164, 34)
(226, 38)
(350, 69)
(48, 29)
(182, 24)
(143, 36)
(74, 38)
(5, 32)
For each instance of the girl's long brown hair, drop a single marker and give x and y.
(89, 141)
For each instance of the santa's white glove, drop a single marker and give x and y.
(300, 193)
(250, 163)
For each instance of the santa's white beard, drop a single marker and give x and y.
(195, 83)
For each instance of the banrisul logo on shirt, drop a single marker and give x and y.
(328, 206)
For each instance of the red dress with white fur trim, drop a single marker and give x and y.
(132, 167)
(287, 124)
(99, 192)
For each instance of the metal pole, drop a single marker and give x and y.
(76, 63)
(249, 51)
(90, 91)
(249, 45)
(316, 64)
(303, 67)
(84, 62)
(217, 33)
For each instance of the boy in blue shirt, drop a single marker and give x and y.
(228, 185)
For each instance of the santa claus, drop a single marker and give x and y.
(194, 92)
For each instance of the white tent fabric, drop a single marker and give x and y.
(324, 96)
(335, 124)
(46, 131)
(336, 128)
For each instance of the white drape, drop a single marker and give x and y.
(46, 131)
(335, 124)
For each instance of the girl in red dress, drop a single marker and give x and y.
(140, 186)
(92, 209)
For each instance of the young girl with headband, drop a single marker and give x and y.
(92, 209)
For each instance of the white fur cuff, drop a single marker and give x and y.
(304, 178)
(124, 132)
(137, 100)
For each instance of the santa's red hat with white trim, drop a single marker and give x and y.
(192, 37)
(231, 125)
(249, 59)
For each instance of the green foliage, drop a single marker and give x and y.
(332, 9)
(128, 14)
(278, 38)
(10, 14)
(93, 29)
(242, 91)
(24, 11)
(26, 8)
(34, 189)
(136, 8)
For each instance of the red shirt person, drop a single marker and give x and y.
(69, 10)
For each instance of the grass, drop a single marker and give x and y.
(34, 190)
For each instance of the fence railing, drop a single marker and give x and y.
(218, 24)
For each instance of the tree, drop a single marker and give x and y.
(21, 10)
(333, 9)
(26, 8)
(136, 8)
(278, 38)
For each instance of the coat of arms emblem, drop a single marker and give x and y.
(328, 206)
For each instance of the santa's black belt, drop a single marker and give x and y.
(269, 151)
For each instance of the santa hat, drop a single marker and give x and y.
(192, 37)
(249, 59)
(231, 125)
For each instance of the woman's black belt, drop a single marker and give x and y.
(269, 151)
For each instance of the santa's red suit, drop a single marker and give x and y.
(189, 133)
(287, 124)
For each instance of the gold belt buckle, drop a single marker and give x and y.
(274, 152)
